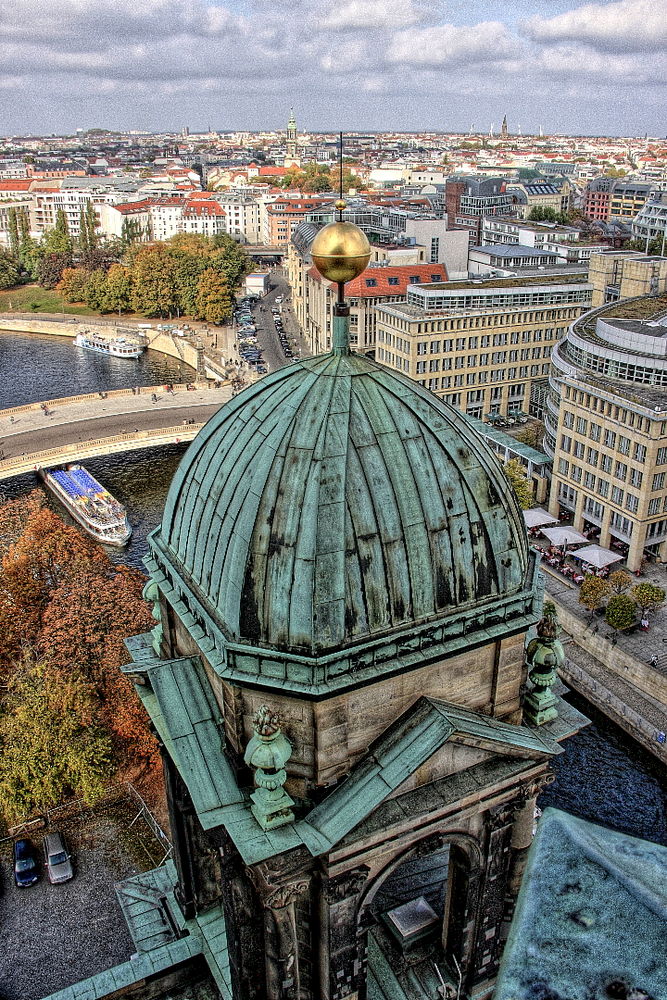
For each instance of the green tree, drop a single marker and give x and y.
(72, 284)
(593, 592)
(533, 435)
(620, 612)
(214, 303)
(96, 291)
(154, 291)
(13, 232)
(84, 245)
(29, 250)
(516, 476)
(52, 744)
(648, 597)
(9, 269)
(131, 231)
(90, 218)
(49, 268)
(619, 581)
(118, 294)
(58, 239)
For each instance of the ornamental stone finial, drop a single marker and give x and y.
(544, 655)
(267, 752)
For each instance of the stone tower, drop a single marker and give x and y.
(503, 131)
(343, 586)
(292, 152)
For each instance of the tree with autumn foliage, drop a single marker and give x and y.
(52, 741)
(66, 607)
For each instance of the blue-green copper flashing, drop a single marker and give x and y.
(335, 504)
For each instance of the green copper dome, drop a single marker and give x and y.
(335, 501)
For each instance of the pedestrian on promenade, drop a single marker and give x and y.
(654, 660)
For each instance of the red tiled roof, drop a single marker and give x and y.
(268, 171)
(203, 208)
(129, 207)
(18, 184)
(390, 280)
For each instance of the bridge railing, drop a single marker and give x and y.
(39, 459)
(110, 393)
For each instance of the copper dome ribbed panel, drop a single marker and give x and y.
(336, 500)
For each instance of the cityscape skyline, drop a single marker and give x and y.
(571, 68)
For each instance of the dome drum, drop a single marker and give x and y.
(336, 521)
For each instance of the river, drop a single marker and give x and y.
(602, 776)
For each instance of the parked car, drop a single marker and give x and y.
(58, 859)
(26, 863)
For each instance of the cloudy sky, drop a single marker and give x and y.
(590, 68)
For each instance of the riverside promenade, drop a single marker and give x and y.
(614, 670)
(78, 427)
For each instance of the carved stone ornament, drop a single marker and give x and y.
(345, 885)
(283, 895)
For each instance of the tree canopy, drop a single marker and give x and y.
(65, 609)
(162, 278)
(520, 483)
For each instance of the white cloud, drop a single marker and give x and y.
(624, 26)
(446, 45)
(373, 15)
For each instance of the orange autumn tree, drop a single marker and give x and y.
(64, 603)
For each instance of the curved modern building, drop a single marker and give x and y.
(606, 426)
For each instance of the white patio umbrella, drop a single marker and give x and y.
(563, 535)
(538, 516)
(597, 556)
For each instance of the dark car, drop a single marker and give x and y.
(26, 865)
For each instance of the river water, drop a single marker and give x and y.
(602, 776)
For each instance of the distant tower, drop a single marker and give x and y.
(503, 131)
(292, 155)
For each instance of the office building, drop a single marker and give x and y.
(482, 345)
(606, 427)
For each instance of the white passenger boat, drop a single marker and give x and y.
(102, 516)
(115, 347)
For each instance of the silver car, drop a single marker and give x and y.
(57, 858)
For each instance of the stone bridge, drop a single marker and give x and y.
(79, 427)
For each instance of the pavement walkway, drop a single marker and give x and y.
(641, 645)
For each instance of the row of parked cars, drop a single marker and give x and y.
(248, 346)
(280, 330)
(56, 860)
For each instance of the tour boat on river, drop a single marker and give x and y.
(115, 347)
(102, 516)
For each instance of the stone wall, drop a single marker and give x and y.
(641, 675)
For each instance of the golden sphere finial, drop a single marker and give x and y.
(340, 204)
(341, 252)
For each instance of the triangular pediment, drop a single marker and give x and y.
(410, 743)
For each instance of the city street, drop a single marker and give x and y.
(266, 330)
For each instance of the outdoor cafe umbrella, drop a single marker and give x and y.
(596, 555)
(538, 516)
(563, 535)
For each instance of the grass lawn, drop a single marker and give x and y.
(33, 299)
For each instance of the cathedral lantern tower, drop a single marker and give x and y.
(343, 586)
(292, 153)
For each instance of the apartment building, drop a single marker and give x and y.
(608, 200)
(242, 214)
(469, 199)
(617, 274)
(627, 200)
(564, 241)
(282, 216)
(534, 194)
(365, 294)
(650, 223)
(606, 427)
(161, 218)
(483, 345)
